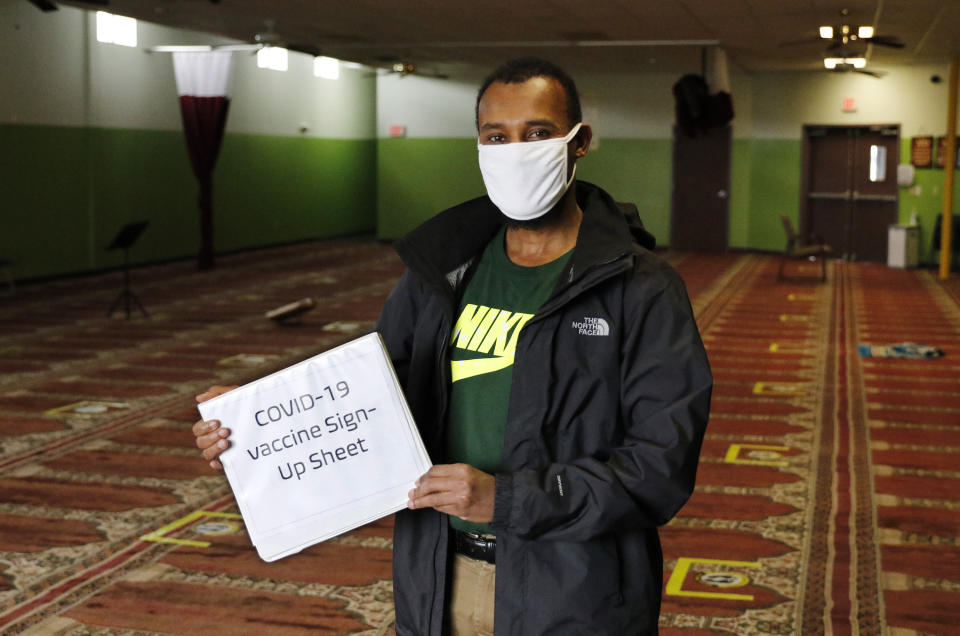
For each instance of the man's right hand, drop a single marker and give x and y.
(211, 436)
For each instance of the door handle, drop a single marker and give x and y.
(830, 196)
(889, 198)
(722, 194)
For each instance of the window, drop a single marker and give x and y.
(273, 58)
(878, 163)
(326, 67)
(116, 29)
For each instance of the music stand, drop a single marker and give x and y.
(124, 240)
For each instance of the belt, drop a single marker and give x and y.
(475, 546)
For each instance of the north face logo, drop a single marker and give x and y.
(592, 327)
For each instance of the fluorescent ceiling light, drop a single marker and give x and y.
(239, 47)
(273, 58)
(855, 62)
(326, 67)
(179, 49)
(826, 32)
(865, 32)
(116, 29)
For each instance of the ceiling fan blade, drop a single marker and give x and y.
(885, 40)
(44, 5)
(812, 40)
(309, 49)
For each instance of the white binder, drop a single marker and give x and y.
(319, 448)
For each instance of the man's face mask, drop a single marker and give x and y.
(526, 179)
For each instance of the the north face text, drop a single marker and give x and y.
(592, 327)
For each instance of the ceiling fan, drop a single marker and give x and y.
(844, 35)
(403, 69)
(850, 65)
(844, 52)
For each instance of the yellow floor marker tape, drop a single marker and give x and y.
(778, 388)
(766, 455)
(157, 536)
(679, 575)
(776, 347)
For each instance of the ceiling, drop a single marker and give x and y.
(442, 35)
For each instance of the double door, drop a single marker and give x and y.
(850, 188)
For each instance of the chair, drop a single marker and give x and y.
(954, 238)
(803, 248)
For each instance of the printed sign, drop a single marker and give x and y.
(942, 149)
(921, 152)
(319, 448)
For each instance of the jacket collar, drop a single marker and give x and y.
(455, 236)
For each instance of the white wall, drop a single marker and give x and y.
(56, 73)
(428, 107)
(783, 102)
(617, 105)
(42, 74)
(641, 105)
(275, 103)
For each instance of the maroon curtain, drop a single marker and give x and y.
(202, 79)
(204, 119)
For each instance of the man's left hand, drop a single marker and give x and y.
(456, 489)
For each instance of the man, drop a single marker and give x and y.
(558, 380)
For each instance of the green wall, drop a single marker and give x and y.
(66, 190)
(739, 231)
(70, 189)
(636, 171)
(774, 166)
(44, 190)
(417, 178)
(280, 189)
(925, 198)
(769, 170)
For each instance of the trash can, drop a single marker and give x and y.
(903, 246)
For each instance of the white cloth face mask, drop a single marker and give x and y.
(525, 179)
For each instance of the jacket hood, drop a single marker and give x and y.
(456, 235)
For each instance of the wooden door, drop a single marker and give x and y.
(828, 187)
(874, 195)
(850, 188)
(699, 219)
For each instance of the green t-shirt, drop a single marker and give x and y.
(499, 300)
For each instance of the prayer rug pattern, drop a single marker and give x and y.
(109, 521)
(827, 491)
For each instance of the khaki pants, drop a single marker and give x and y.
(471, 603)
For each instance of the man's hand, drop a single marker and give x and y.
(456, 489)
(211, 437)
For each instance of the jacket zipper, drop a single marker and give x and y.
(443, 371)
(613, 271)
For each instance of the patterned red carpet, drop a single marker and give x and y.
(828, 496)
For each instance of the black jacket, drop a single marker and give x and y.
(608, 406)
